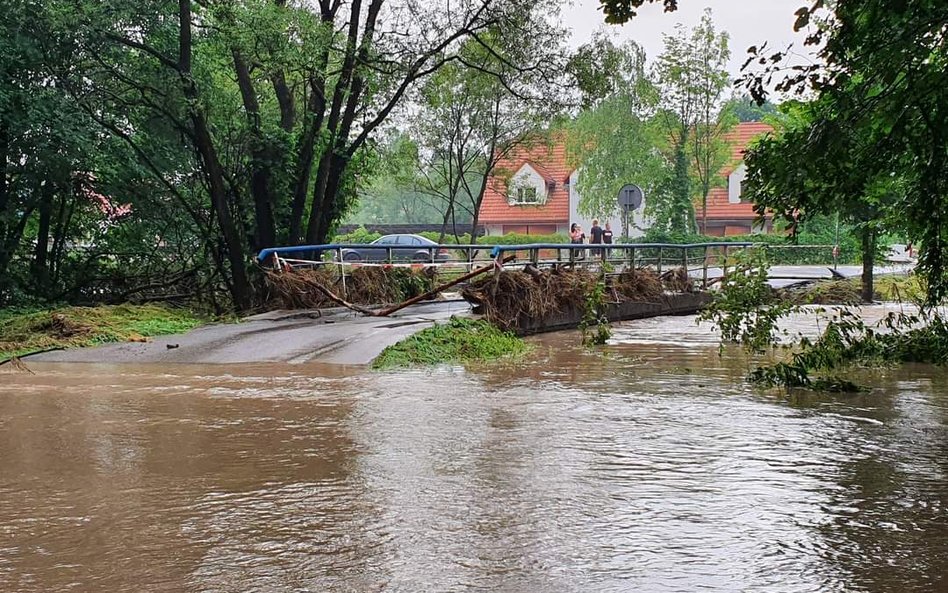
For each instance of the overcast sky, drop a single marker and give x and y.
(749, 22)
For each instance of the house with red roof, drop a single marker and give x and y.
(728, 212)
(533, 192)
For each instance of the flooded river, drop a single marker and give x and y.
(648, 466)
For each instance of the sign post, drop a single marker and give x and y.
(630, 199)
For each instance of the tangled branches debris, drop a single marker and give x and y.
(505, 297)
(364, 285)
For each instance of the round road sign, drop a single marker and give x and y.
(631, 196)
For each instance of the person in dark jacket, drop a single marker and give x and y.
(595, 237)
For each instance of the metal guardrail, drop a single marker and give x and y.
(637, 255)
(696, 258)
(390, 250)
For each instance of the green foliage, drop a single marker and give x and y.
(358, 235)
(226, 127)
(746, 109)
(25, 331)
(621, 11)
(746, 309)
(872, 144)
(594, 315)
(517, 239)
(459, 341)
(692, 77)
(848, 341)
(392, 195)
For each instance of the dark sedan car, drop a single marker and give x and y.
(402, 248)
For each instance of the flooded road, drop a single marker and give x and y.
(646, 466)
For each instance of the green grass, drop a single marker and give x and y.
(458, 341)
(23, 331)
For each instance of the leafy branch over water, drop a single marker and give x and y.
(746, 310)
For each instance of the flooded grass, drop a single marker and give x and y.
(458, 341)
(906, 289)
(25, 332)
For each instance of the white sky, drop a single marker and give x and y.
(748, 22)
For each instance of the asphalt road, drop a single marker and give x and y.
(336, 336)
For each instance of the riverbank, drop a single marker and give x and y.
(27, 331)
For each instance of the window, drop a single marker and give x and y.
(525, 195)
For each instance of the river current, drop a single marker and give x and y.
(647, 465)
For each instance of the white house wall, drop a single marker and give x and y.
(637, 225)
(734, 182)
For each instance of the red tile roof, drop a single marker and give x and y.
(549, 160)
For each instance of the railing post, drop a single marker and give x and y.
(724, 267)
(659, 263)
(704, 269)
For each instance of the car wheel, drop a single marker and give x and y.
(421, 257)
(352, 256)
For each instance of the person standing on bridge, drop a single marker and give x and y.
(577, 237)
(606, 239)
(595, 237)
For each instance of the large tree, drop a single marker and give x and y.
(275, 103)
(882, 89)
(615, 139)
(474, 113)
(692, 77)
(784, 178)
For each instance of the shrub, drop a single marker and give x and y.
(359, 235)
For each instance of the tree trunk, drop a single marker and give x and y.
(4, 156)
(241, 290)
(682, 216)
(285, 98)
(333, 203)
(40, 265)
(704, 210)
(261, 160)
(868, 262)
(312, 127)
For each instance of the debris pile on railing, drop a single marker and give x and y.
(371, 285)
(506, 297)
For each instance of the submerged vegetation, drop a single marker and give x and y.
(748, 311)
(458, 341)
(29, 331)
(848, 342)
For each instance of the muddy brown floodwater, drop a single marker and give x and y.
(647, 466)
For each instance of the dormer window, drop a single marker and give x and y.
(527, 187)
(526, 195)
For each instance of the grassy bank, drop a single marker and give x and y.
(458, 341)
(27, 331)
